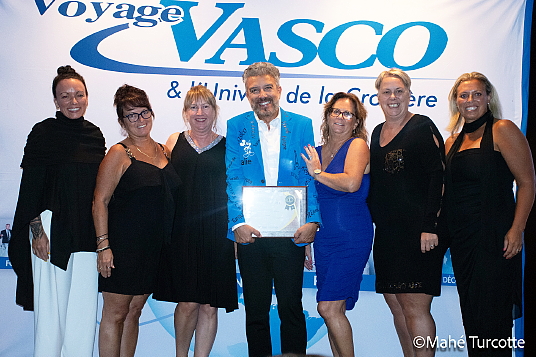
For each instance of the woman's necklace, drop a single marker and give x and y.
(149, 156)
(333, 153)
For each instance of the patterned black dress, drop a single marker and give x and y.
(404, 200)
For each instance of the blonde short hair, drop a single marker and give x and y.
(394, 72)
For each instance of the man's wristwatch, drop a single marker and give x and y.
(317, 171)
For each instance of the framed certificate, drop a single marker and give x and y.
(276, 211)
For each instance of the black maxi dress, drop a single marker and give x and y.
(480, 210)
(199, 263)
(404, 200)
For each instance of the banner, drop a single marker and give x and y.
(320, 47)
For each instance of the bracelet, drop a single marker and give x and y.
(102, 236)
(103, 249)
(100, 240)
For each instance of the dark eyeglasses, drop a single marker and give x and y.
(134, 117)
(334, 112)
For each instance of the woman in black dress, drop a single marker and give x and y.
(133, 213)
(198, 267)
(406, 171)
(485, 222)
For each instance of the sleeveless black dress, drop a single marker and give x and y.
(140, 218)
(199, 263)
(480, 210)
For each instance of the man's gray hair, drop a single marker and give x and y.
(261, 69)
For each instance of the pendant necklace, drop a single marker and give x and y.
(332, 155)
(336, 151)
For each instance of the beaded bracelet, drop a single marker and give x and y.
(103, 249)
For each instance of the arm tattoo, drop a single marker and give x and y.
(36, 227)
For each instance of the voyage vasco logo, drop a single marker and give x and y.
(143, 16)
(247, 36)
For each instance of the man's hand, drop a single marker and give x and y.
(245, 233)
(306, 233)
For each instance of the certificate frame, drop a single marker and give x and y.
(275, 211)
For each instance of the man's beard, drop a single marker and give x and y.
(266, 113)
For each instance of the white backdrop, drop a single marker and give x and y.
(321, 47)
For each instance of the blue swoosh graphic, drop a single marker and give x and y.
(86, 52)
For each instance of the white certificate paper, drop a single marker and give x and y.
(276, 211)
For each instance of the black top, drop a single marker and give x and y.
(407, 175)
(60, 165)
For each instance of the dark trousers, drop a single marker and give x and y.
(276, 262)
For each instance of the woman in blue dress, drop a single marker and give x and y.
(342, 245)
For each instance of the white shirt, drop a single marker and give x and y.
(270, 148)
